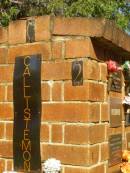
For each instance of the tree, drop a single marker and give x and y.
(118, 10)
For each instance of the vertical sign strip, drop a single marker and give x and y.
(27, 113)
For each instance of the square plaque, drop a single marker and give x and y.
(77, 73)
(115, 112)
(115, 82)
(115, 149)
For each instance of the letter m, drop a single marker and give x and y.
(26, 145)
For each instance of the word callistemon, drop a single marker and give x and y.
(52, 166)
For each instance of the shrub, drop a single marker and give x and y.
(118, 10)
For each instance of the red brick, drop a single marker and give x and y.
(9, 131)
(9, 165)
(29, 49)
(77, 48)
(3, 35)
(78, 26)
(98, 51)
(56, 70)
(88, 156)
(124, 43)
(96, 134)
(42, 28)
(45, 92)
(93, 155)
(10, 93)
(80, 48)
(56, 133)
(97, 169)
(94, 112)
(2, 93)
(56, 92)
(6, 149)
(44, 133)
(68, 112)
(104, 151)
(103, 72)
(1, 130)
(75, 170)
(17, 32)
(56, 50)
(91, 70)
(3, 55)
(114, 94)
(76, 134)
(94, 52)
(114, 169)
(91, 27)
(115, 35)
(108, 131)
(75, 92)
(96, 92)
(6, 111)
(104, 112)
(2, 165)
(76, 155)
(7, 73)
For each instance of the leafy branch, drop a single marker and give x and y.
(118, 10)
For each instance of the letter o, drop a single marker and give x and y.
(27, 155)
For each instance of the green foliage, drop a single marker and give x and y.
(8, 12)
(118, 10)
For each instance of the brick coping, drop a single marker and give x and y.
(100, 29)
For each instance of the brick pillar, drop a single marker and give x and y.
(75, 119)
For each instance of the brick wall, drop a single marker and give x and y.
(75, 119)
